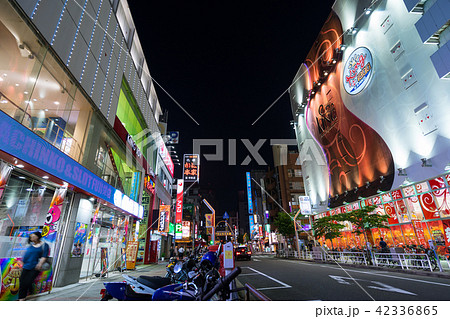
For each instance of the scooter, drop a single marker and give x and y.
(143, 287)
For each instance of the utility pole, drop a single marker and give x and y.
(296, 234)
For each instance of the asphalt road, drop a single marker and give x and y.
(281, 279)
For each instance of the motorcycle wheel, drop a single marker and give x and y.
(107, 296)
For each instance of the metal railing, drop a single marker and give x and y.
(405, 261)
(393, 260)
(347, 257)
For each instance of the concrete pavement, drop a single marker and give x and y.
(89, 290)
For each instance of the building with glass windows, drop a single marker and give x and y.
(81, 154)
(370, 106)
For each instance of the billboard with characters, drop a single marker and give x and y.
(11, 269)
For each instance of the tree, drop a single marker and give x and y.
(285, 225)
(362, 220)
(328, 228)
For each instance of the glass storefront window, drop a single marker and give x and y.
(387, 236)
(397, 236)
(37, 92)
(414, 208)
(23, 210)
(409, 235)
(105, 242)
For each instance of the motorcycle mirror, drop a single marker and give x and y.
(191, 274)
(178, 267)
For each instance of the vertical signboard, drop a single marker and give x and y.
(305, 205)
(179, 206)
(131, 254)
(186, 229)
(178, 231)
(191, 165)
(164, 216)
(250, 203)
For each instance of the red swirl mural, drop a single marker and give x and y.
(356, 154)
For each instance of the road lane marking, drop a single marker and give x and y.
(396, 277)
(276, 280)
(386, 287)
(267, 288)
(254, 259)
(375, 273)
(381, 286)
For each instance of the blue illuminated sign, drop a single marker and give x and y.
(250, 203)
(20, 142)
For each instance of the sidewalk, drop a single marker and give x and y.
(89, 289)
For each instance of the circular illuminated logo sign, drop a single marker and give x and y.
(357, 70)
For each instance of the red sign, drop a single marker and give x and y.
(260, 231)
(179, 206)
(166, 158)
(419, 231)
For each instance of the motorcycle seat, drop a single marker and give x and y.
(154, 282)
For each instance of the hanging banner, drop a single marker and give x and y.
(179, 206)
(104, 260)
(79, 240)
(5, 172)
(50, 229)
(164, 217)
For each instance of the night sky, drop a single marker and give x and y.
(225, 62)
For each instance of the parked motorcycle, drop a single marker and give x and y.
(143, 287)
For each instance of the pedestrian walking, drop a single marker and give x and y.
(35, 256)
(383, 246)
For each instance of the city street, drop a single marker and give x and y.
(281, 279)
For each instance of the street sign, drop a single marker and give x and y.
(172, 137)
(225, 216)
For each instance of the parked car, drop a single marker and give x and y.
(242, 252)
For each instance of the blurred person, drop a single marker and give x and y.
(35, 256)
